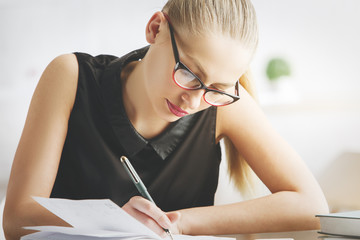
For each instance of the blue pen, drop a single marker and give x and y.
(139, 184)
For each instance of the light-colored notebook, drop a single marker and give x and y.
(94, 220)
(341, 224)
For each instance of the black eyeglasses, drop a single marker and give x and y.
(186, 79)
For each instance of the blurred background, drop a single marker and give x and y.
(307, 72)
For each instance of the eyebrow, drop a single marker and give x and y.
(225, 85)
(197, 65)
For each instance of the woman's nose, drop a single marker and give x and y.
(192, 98)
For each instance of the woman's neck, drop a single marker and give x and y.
(137, 103)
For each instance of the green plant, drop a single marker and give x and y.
(276, 68)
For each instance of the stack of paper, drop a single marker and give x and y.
(94, 220)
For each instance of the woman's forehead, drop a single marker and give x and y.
(215, 56)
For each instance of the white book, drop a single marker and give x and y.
(94, 220)
(341, 224)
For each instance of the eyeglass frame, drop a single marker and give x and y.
(179, 65)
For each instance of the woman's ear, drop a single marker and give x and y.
(153, 27)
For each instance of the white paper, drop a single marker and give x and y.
(62, 236)
(83, 231)
(95, 214)
(94, 220)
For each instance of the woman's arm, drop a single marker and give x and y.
(38, 154)
(296, 196)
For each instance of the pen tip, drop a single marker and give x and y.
(169, 233)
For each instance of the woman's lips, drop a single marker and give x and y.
(177, 111)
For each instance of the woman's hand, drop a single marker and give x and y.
(152, 216)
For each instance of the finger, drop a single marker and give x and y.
(146, 220)
(173, 216)
(149, 208)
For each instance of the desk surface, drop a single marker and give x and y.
(298, 235)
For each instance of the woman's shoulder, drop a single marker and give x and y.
(239, 115)
(71, 62)
(97, 61)
(59, 81)
(64, 66)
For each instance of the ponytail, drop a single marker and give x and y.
(238, 169)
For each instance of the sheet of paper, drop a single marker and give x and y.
(62, 236)
(95, 220)
(83, 231)
(95, 214)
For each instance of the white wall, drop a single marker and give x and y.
(33, 32)
(320, 39)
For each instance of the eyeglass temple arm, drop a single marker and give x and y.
(237, 88)
(175, 50)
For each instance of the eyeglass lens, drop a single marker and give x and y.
(187, 80)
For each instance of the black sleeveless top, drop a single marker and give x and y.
(179, 167)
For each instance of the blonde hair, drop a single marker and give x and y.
(238, 169)
(234, 18)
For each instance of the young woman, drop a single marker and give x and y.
(165, 107)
